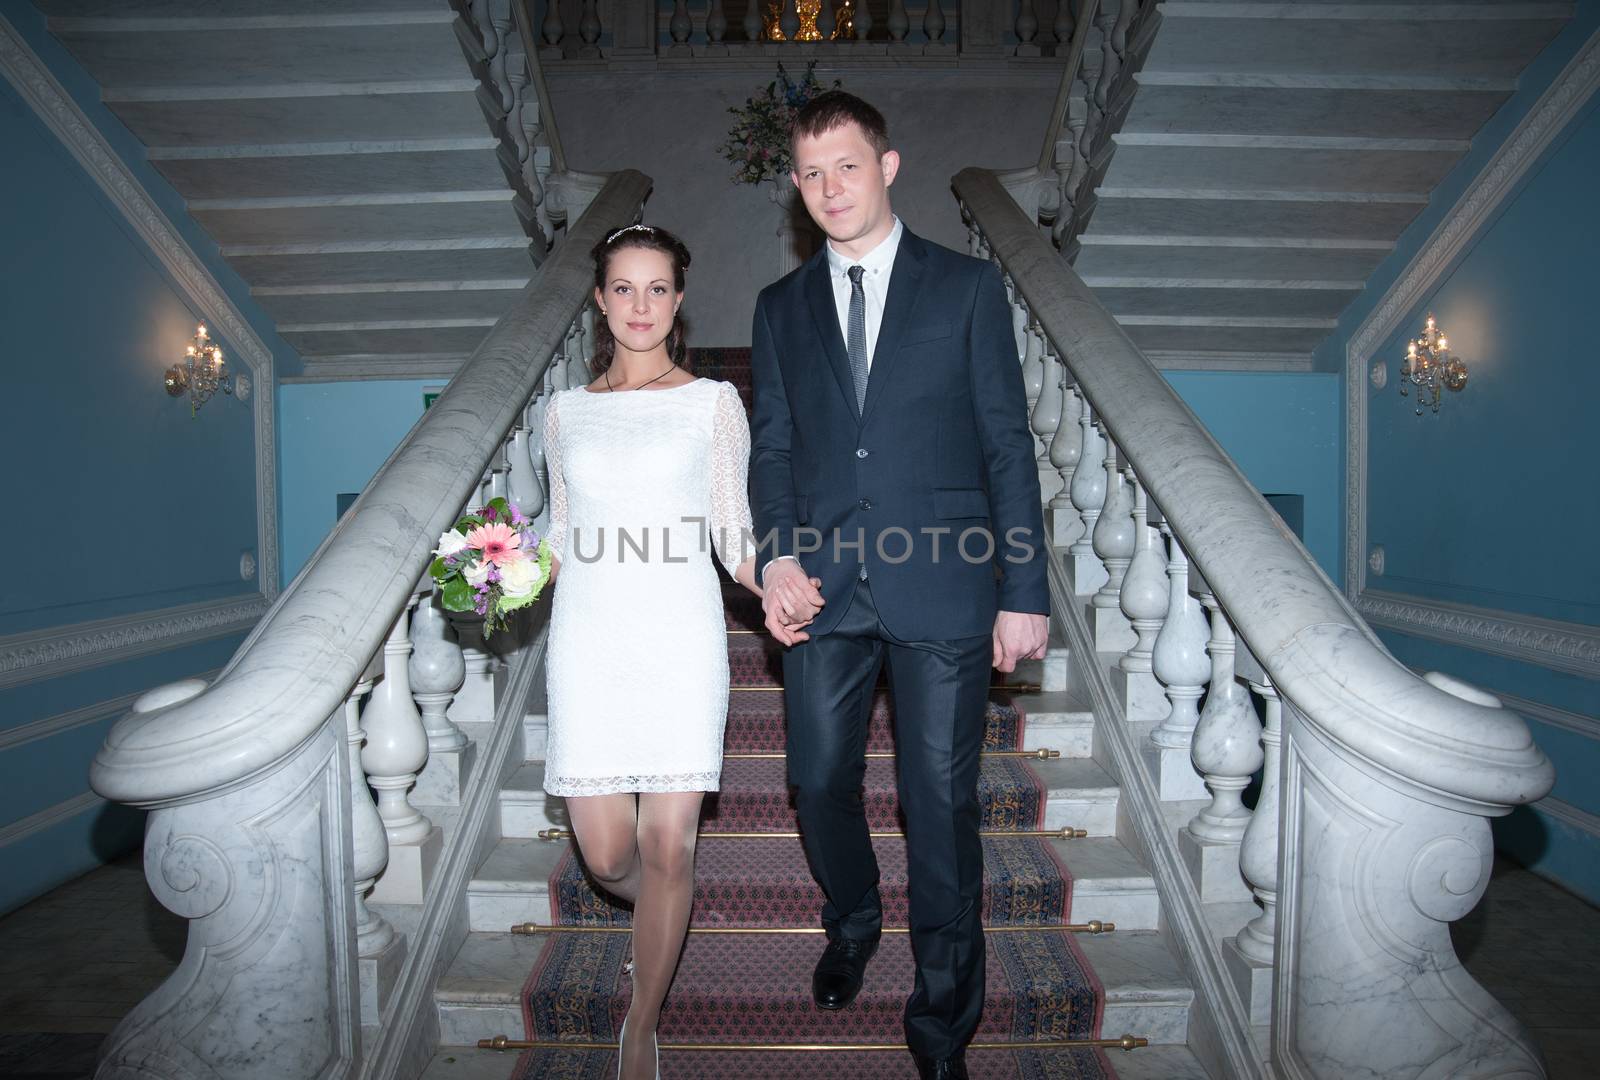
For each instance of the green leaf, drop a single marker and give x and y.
(439, 571)
(456, 595)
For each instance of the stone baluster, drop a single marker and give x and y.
(1032, 364)
(1226, 751)
(1251, 957)
(498, 467)
(1088, 496)
(577, 354)
(789, 21)
(933, 24)
(752, 21)
(1179, 661)
(536, 458)
(589, 30)
(368, 844)
(1027, 28)
(1066, 451)
(1046, 415)
(1063, 27)
(1019, 321)
(716, 25)
(499, 69)
(1077, 166)
(558, 367)
(863, 21)
(1144, 586)
(552, 29)
(899, 21)
(438, 671)
(1113, 542)
(526, 495)
(680, 27)
(1110, 61)
(1088, 79)
(827, 20)
(396, 751)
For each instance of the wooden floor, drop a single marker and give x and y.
(73, 962)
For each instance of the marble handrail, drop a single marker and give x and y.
(1442, 749)
(308, 651)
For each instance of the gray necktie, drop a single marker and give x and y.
(856, 336)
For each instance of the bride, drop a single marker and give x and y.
(643, 462)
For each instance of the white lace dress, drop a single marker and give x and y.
(637, 667)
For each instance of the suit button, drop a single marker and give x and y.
(861, 453)
(866, 504)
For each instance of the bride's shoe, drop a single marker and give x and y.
(622, 1038)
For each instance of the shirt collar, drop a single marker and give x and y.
(879, 259)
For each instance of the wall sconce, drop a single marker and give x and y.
(202, 373)
(1430, 368)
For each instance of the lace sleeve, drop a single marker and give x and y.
(730, 466)
(556, 533)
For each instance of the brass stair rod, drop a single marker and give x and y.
(1127, 1042)
(1039, 755)
(1067, 833)
(1093, 926)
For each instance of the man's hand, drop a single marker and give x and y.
(1019, 636)
(790, 600)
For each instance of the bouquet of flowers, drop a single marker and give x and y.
(758, 142)
(491, 562)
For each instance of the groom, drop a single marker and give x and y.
(891, 462)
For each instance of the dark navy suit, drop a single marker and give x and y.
(926, 516)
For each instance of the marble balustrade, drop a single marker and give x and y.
(1371, 830)
(264, 832)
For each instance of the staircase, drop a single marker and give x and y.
(1270, 154)
(755, 988)
(352, 167)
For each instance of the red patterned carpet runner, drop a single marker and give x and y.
(739, 989)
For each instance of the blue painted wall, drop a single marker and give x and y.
(334, 436)
(122, 502)
(1491, 502)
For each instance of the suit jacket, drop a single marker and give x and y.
(935, 477)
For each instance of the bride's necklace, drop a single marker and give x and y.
(612, 390)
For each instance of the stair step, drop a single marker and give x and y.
(458, 258)
(1146, 994)
(469, 167)
(1485, 39)
(1188, 211)
(410, 216)
(1104, 254)
(1282, 163)
(1149, 1063)
(422, 303)
(1144, 296)
(513, 884)
(457, 336)
(1387, 105)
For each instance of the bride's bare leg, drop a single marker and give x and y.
(607, 829)
(668, 827)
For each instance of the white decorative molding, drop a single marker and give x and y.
(75, 718)
(1560, 646)
(1522, 150)
(49, 816)
(55, 107)
(61, 650)
(1567, 814)
(1577, 723)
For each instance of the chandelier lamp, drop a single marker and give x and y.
(201, 373)
(1430, 368)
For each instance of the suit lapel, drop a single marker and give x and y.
(819, 292)
(904, 280)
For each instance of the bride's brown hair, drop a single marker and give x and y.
(637, 236)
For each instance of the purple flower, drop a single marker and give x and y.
(488, 513)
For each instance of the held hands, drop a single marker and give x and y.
(1019, 636)
(791, 600)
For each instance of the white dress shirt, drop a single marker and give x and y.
(878, 263)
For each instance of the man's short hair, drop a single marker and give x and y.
(835, 108)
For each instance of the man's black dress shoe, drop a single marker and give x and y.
(837, 980)
(953, 1067)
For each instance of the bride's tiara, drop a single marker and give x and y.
(648, 229)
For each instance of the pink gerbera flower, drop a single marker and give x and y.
(500, 544)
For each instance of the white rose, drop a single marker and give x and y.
(478, 575)
(451, 543)
(518, 579)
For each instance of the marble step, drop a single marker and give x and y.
(480, 995)
(318, 169)
(1282, 162)
(1392, 104)
(512, 885)
(288, 267)
(1081, 794)
(408, 109)
(386, 337)
(1291, 39)
(1187, 211)
(1151, 1063)
(1176, 296)
(1105, 254)
(431, 215)
(1185, 334)
(133, 49)
(426, 300)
